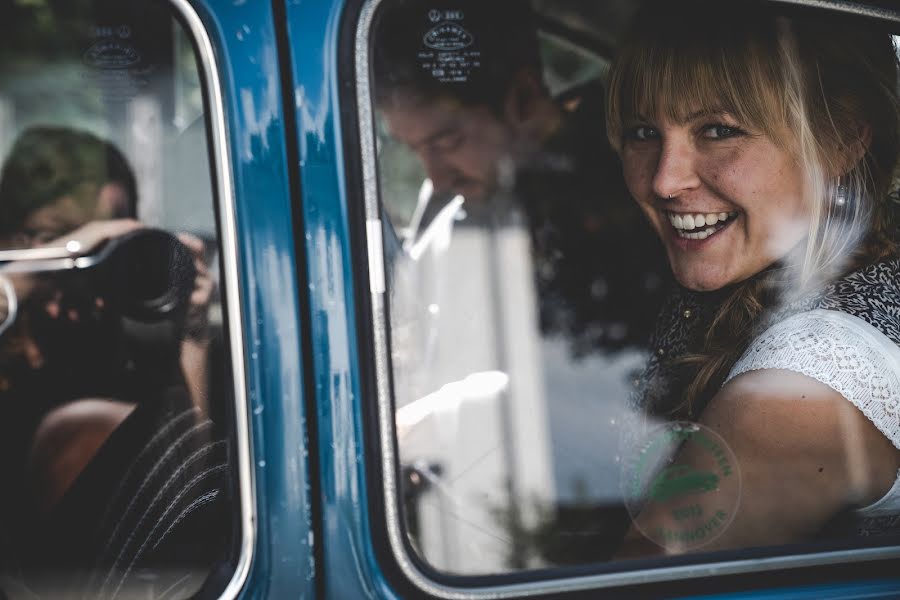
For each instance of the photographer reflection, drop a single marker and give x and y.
(101, 317)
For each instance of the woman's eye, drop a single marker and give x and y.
(642, 133)
(716, 132)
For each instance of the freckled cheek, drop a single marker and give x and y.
(638, 174)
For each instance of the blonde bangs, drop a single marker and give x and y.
(676, 77)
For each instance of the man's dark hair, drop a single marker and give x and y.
(500, 38)
(47, 163)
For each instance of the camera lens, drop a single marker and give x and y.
(149, 275)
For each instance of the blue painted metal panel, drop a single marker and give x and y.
(349, 569)
(243, 35)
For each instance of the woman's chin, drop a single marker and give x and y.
(702, 287)
(701, 282)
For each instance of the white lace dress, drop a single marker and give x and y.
(849, 339)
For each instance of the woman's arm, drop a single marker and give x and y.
(804, 453)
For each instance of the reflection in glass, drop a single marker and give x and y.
(115, 434)
(515, 340)
(560, 293)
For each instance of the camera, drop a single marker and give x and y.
(122, 314)
(146, 275)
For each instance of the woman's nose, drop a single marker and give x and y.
(675, 169)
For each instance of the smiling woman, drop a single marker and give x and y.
(761, 149)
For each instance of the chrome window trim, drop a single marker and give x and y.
(231, 288)
(845, 7)
(385, 410)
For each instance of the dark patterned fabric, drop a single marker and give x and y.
(679, 329)
(871, 294)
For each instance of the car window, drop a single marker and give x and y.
(602, 325)
(115, 379)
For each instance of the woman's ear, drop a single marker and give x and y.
(854, 151)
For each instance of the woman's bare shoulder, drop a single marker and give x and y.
(783, 417)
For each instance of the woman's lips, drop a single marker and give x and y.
(699, 226)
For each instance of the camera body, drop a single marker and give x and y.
(121, 317)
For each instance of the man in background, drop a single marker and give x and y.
(461, 85)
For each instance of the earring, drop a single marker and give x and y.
(840, 197)
(840, 192)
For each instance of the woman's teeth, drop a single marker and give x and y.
(699, 226)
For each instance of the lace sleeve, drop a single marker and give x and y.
(842, 351)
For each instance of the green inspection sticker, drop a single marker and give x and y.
(686, 478)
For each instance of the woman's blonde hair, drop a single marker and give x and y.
(824, 90)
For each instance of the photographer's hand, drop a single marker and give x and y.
(195, 345)
(81, 241)
(197, 322)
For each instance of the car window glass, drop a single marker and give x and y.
(566, 339)
(117, 418)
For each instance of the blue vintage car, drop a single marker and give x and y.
(357, 374)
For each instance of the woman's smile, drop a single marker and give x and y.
(700, 225)
(726, 200)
